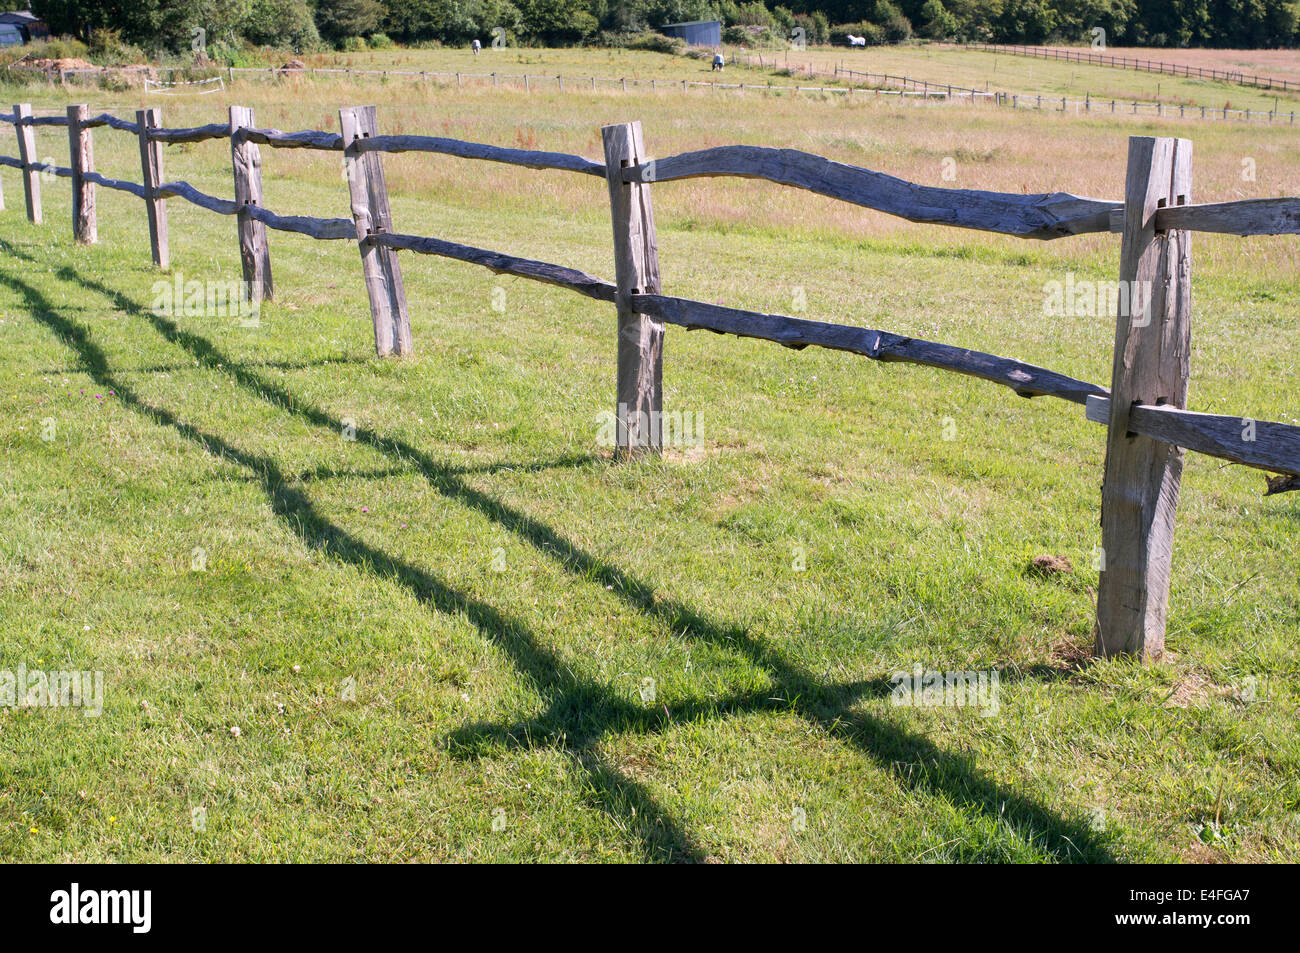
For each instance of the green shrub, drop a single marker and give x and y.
(279, 23)
(752, 36)
(230, 54)
(380, 41)
(817, 29)
(353, 44)
(107, 48)
(658, 43)
(641, 40)
(55, 48)
(839, 34)
(897, 27)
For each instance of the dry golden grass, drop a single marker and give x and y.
(993, 149)
(1275, 64)
(481, 691)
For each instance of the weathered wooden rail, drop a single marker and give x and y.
(1144, 409)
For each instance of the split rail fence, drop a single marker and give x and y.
(1144, 409)
(1132, 62)
(1089, 104)
(874, 85)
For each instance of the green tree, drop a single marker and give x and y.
(338, 19)
(939, 23)
(281, 23)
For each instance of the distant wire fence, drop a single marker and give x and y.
(874, 85)
(1093, 58)
(202, 87)
(1143, 409)
(1089, 104)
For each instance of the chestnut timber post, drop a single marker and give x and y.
(254, 251)
(151, 168)
(639, 409)
(81, 152)
(371, 213)
(27, 153)
(1139, 497)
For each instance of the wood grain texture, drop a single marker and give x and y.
(305, 139)
(371, 216)
(529, 158)
(1043, 216)
(1139, 498)
(639, 402)
(216, 130)
(1027, 380)
(254, 249)
(151, 167)
(137, 190)
(502, 264)
(321, 228)
(1262, 444)
(27, 153)
(107, 119)
(1280, 216)
(82, 160)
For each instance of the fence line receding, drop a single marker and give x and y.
(1144, 409)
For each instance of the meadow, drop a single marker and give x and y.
(934, 63)
(447, 625)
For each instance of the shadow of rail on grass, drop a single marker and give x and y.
(627, 801)
(578, 714)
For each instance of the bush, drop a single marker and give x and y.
(816, 28)
(751, 36)
(755, 14)
(875, 35)
(229, 54)
(642, 40)
(278, 23)
(897, 27)
(939, 23)
(106, 48)
(380, 41)
(353, 44)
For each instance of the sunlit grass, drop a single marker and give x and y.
(497, 589)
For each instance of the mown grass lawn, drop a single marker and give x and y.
(430, 601)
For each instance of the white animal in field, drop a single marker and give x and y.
(857, 40)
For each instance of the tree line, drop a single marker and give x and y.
(225, 27)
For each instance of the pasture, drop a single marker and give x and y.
(449, 626)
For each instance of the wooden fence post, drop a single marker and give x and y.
(151, 167)
(1139, 496)
(82, 153)
(254, 250)
(27, 152)
(639, 411)
(371, 214)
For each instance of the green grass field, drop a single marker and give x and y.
(1025, 76)
(434, 632)
(1028, 76)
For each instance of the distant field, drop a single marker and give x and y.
(1277, 64)
(936, 64)
(496, 590)
(1032, 76)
